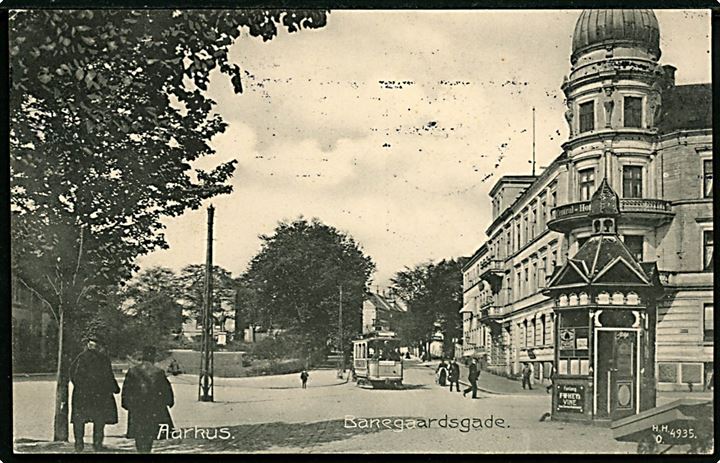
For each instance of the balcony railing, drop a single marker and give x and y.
(491, 312)
(493, 265)
(495, 311)
(644, 205)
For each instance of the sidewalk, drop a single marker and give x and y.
(491, 383)
(234, 397)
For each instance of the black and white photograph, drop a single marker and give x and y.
(360, 231)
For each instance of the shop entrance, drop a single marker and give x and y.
(617, 372)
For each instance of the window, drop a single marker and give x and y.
(533, 219)
(707, 178)
(708, 331)
(541, 272)
(632, 110)
(517, 235)
(541, 215)
(587, 183)
(553, 198)
(707, 250)
(632, 181)
(526, 236)
(634, 243)
(587, 116)
(533, 275)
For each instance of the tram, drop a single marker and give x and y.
(377, 360)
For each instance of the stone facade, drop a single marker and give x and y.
(652, 141)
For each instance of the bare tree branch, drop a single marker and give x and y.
(79, 257)
(39, 296)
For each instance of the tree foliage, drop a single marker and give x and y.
(191, 282)
(151, 302)
(433, 294)
(109, 113)
(297, 277)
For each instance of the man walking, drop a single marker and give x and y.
(473, 375)
(454, 375)
(526, 375)
(146, 395)
(304, 378)
(92, 397)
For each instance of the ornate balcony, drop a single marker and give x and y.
(637, 211)
(491, 313)
(492, 271)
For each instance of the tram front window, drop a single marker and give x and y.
(385, 350)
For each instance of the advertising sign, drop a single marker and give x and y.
(570, 398)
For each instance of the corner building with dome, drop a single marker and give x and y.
(648, 142)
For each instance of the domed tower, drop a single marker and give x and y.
(614, 95)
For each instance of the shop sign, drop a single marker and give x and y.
(571, 398)
(567, 339)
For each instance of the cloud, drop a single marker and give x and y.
(393, 126)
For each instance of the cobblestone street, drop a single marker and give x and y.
(272, 414)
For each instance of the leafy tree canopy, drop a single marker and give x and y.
(297, 277)
(109, 113)
(191, 282)
(433, 294)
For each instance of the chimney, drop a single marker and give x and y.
(668, 75)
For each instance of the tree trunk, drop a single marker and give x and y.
(61, 388)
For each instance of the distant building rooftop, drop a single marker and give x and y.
(510, 179)
(686, 107)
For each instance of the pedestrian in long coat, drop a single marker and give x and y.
(146, 395)
(473, 375)
(92, 397)
(442, 373)
(454, 375)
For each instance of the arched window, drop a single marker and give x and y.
(563, 300)
(573, 299)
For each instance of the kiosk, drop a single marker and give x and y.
(605, 324)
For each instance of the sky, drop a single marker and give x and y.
(393, 126)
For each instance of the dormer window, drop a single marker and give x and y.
(632, 111)
(587, 116)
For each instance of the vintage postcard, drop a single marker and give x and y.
(361, 231)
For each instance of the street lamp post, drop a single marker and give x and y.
(206, 386)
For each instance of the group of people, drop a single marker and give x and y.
(146, 395)
(451, 373)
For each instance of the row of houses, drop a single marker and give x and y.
(650, 140)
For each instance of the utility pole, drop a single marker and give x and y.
(340, 335)
(533, 147)
(206, 386)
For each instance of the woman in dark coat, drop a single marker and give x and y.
(442, 373)
(146, 395)
(92, 397)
